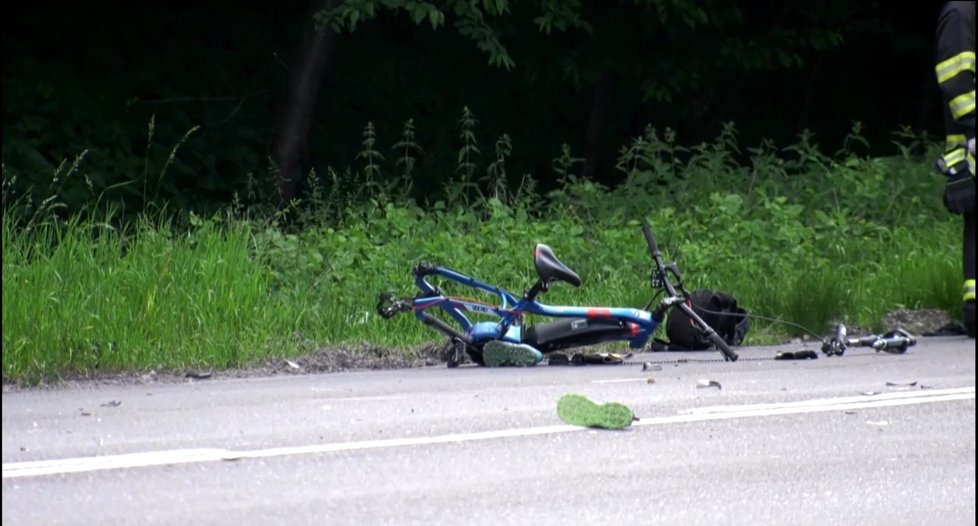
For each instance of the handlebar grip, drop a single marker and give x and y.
(653, 248)
(728, 353)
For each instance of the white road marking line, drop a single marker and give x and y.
(799, 409)
(159, 458)
(377, 398)
(825, 401)
(129, 460)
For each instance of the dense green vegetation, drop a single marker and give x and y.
(88, 77)
(793, 233)
(220, 184)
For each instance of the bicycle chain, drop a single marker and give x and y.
(696, 360)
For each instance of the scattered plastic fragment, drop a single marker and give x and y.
(708, 383)
(650, 380)
(292, 364)
(112, 403)
(199, 376)
(899, 384)
(649, 366)
(877, 422)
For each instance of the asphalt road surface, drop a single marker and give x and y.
(863, 439)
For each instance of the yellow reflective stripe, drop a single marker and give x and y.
(955, 140)
(962, 104)
(969, 290)
(949, 68)
(954, 157)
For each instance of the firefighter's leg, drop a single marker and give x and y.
(969, 272)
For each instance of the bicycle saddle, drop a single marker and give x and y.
(549, 268)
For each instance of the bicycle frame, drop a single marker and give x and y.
(638, 325)
(576, 326)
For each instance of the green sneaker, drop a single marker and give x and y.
(577, 410)
(498, 353)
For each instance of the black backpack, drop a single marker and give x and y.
(725, 317)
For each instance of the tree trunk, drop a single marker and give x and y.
(601, 95)
(808, 98)
(298, 102)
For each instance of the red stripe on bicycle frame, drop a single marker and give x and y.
(633, 328)
(598, 313)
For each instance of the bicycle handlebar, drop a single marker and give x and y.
(728, 353)
(660, 267)
(650, 239)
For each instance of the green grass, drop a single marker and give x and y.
(80, 296)
(793, 236)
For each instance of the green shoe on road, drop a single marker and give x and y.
(577, 410)
(498, 354)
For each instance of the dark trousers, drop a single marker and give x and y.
(969, 246)
(969, 270)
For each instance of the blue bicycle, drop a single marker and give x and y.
(575, 326)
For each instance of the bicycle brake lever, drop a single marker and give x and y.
(659, 313)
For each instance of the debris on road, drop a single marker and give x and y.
(899, 384)
(112, 403)
(708, 383)
(796, 355)
(603, 358)
(558, 358)
(649, 366)
(292, 364)
(194, 375)
(650, 380)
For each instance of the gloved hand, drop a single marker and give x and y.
(959, 189)
(959, 193)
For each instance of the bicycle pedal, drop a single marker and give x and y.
(454, 355)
